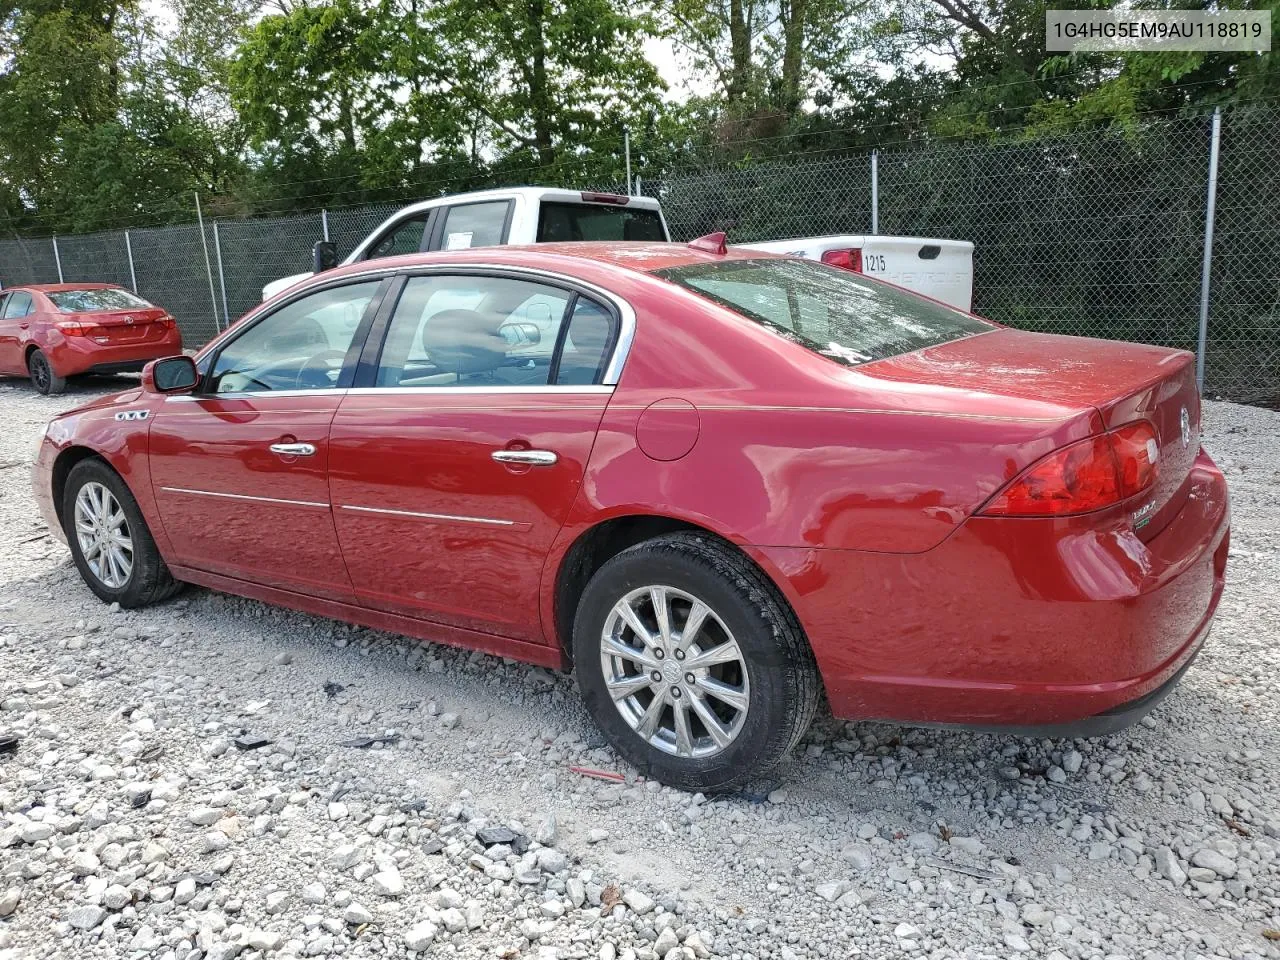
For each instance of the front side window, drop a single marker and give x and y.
(301, 346)
(97, 301)
(475, 225)
(451, 331)
(18, 305)
(403, 237)
(833, 312)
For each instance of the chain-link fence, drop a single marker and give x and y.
(1097, 232)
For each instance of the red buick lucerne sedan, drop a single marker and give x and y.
(716, 484)
(53, 331)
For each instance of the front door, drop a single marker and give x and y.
(453, 468)
(239, 468)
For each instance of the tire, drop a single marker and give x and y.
(775, 675)
(43, 377)
(147, 579)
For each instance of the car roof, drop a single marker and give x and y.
(634, 256)
(533, 193)
(61, 287)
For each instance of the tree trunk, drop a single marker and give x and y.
(739, 52)
(539, 95)
(794, 16)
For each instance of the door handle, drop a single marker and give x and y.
(294, 449)
(534, 458)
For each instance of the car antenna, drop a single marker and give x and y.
(711, 243)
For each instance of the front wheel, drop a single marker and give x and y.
(692, 664)
(110, 542)
(43, 377)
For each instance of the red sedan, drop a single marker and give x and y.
(716, 484)
(53, 331)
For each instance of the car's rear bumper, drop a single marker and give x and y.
(1051, 625)
(80, 355)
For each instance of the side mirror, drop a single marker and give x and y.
(170, 375)
(324, 255)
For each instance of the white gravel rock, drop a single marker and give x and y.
(132, 825)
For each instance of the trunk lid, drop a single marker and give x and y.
(124, 326)
(1123, 382)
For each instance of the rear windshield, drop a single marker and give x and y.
(833, 312)
(583, 221)
(96, 301)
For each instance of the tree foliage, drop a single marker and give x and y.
(112, 112)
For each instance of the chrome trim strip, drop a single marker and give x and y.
(243, 496)
(429, 516)
(257, 395)
(471, 391)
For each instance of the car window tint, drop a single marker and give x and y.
(404, 237)
(300, 346)
(474, 225)
(97, 301)
(472, 331)
(587, 345)
(836, 313)
(593, 221)
(18, 305)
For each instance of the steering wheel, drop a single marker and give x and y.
(314, 373)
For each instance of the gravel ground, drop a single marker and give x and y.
(131, 824)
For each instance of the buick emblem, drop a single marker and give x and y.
(1185, 421)
(129, 320)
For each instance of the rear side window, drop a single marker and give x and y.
(475, 225)
(830, 311)
(96, 301)
(588, 345)
(587, 221)
(18, 305)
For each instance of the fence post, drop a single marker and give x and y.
(128, 249)
(1211, 202)
(222, 282)
(875, 192)
(208, 267)
(639, 188)
(626, 148)
(56, 258)
(324, 224)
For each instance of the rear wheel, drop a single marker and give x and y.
(110, 543)
(43, 377)
(692, 664)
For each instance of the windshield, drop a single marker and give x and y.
(834, 312)
(96, 301)
(581, 221)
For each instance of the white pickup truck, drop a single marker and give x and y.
(516, 215)
(942, 269)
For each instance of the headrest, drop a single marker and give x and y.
(463, 341)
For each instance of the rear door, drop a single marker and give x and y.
(239, 468)
(454, 462)
(10, 352)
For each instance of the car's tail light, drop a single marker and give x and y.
(1083, 476)
(847, 259)
(164, 324)
(616, 199)
(75, 328)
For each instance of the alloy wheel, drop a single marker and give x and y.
(102, 532)
(674, 671)
(40, 372)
